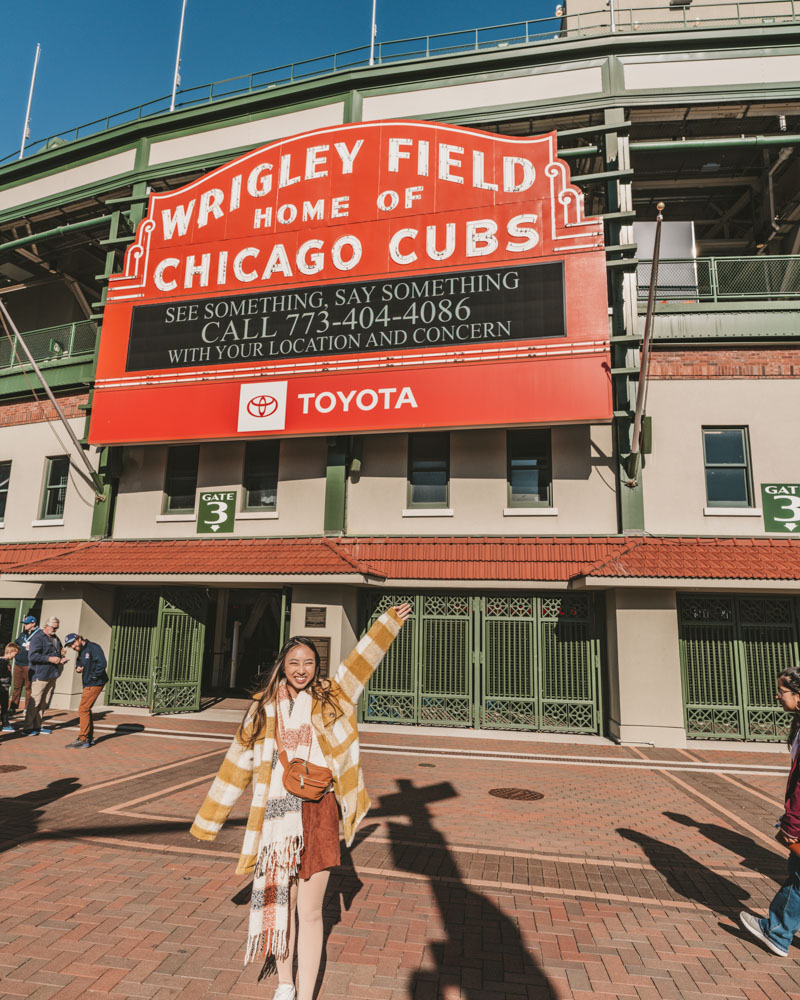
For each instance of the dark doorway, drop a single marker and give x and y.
(243, 639)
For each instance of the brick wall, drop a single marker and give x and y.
(31, 412)
(742, 362)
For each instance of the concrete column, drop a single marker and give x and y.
(86, 609)
(341, 617)
(645, 693)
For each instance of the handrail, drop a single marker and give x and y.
(547, 30)
(723, 279)
(52, 343)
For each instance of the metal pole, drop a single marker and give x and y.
(641, 390)
(372, 35)
(178, 59)
(26, 127)
(613, 19)
(96, 480)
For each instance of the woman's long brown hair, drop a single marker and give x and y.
(255, 719)
(790, 678)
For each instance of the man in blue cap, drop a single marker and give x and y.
(21, 678)
(91, 664)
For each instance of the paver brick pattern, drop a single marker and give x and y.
(621, 881)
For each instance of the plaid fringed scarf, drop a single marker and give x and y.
(281, 842)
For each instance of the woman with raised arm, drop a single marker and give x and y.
(298, 744)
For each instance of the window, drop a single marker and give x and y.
(260, 478)
(180, 483)
(5, 476)
(726, 452)
(55, 487)
(529, 473)
(428, 469)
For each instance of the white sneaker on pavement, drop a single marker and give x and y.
(285, 991)
(752, 926)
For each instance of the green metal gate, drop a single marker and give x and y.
(156, 656)
(528, 662)
(732, 649)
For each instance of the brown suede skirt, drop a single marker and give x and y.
(320, 836)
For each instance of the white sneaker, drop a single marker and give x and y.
(285, 991)
(750, 924)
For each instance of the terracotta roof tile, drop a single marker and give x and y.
(519, 559)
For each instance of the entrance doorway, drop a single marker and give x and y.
(244, 641)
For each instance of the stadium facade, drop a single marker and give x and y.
(336, 335)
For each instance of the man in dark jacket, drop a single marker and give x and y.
(91, 665)
(46, 659)
(21, 679)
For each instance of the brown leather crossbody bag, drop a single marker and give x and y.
(301, 777)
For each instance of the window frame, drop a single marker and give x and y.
(417, 505)
(548, 459)
(4, 489)
(747, 465)
(249, 445)
(47, 488)
(166, 507)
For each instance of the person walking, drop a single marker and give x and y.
(91, 665)
(21, 676)
(776, 930)
(46, 659)
(299, 734)
(6, 661)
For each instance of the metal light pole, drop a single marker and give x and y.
(613, 16)
(26, 127)
(176, 78)
(372, 35)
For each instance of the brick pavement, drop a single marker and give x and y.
(623, 880)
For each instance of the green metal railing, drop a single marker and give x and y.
(732, 650)
(723, 279)
(53, 343)
(540, 31)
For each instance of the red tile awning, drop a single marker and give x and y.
(441, 559)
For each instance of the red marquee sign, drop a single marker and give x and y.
(379, 276)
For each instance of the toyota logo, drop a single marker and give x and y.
(262, 406)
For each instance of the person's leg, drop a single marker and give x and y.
(783, 921)
(28, 680)
(285, 965)
(46, 698)
(4, 717)
(88, 698)
(17, 684)
(33, 715)
(310, 898)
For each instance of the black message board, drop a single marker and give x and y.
(428, 311)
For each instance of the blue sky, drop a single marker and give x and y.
(99, 57)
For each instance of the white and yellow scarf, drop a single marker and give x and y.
(281, 842)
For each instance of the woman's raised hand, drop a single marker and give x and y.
(403, 611)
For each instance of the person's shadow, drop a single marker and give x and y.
(21, 815)
(483, 952)
(687, 877)
(753, 856)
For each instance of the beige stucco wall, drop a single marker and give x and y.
(301, 490)
(674, 476)
(341, 604)
(644, 675)
(27, 447)
(583, 487)
(87, 610)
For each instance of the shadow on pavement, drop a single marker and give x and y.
(21, 815)
(483, 953)
(688, 878)
(753, 856)
(123, 729)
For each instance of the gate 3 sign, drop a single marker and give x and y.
(781, 505)
(378, 276)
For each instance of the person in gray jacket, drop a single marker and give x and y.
(46, 659)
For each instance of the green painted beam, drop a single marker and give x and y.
(336, 487)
